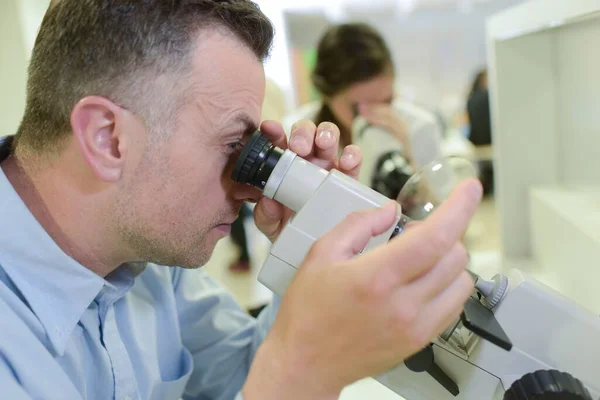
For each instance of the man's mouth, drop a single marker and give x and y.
(223, 228)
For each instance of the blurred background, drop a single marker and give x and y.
(438, 45)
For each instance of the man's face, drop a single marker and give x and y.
(180, 199)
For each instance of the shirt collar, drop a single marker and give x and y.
(56, 287)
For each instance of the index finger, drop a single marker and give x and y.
(275, 132)
(414, 252)
(352, 234)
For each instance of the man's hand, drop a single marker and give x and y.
(319, 145)
(346, 317)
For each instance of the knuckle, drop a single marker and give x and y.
(419, 337)
(319, 247)
(462, 252)
(308, 125)
(302, 126)
(466, 284)
(354, 149)
(371, 290)
(460, 257)
(405, 316)
(441, 242)
(356, 217)
(294, 127)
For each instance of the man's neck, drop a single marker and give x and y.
(70, 217)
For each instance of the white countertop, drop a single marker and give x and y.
(368, 389)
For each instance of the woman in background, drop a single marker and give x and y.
(478, 109)
(355, 72)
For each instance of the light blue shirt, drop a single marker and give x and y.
(143, 332)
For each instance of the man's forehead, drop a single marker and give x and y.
(220, 52)
(227, 74)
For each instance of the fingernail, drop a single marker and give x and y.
(298, 143)
(392, 205)
(347, 158)
(325, 135)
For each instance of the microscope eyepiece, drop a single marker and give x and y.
(256, 161)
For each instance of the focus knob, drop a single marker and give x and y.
(547, 385)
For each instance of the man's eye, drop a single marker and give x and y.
(235, 147)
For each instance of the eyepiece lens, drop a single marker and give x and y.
(256, 161)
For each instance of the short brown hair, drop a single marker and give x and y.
(119, 49)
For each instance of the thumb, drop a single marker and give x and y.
(351, 236)
(268, 216)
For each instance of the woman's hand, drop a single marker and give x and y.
(385, 116)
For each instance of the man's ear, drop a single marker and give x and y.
(98, 127)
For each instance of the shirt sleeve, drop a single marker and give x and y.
(220, 335)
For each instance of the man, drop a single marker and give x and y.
(121, 167)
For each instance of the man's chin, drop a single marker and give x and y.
(199, 259)
(188, 259)
(190, 253)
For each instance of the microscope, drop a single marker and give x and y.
(516, 339)
(385, 167)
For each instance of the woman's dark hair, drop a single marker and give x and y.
(348, 54)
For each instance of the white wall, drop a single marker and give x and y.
(578, 86)
(13, 65)
(19, 23)
(525, 132)
(545, 95)
(32, 13)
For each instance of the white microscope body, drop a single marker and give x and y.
(547, 330)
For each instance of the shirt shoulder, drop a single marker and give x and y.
(24, 346)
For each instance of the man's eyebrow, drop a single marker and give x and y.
(248, 124)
